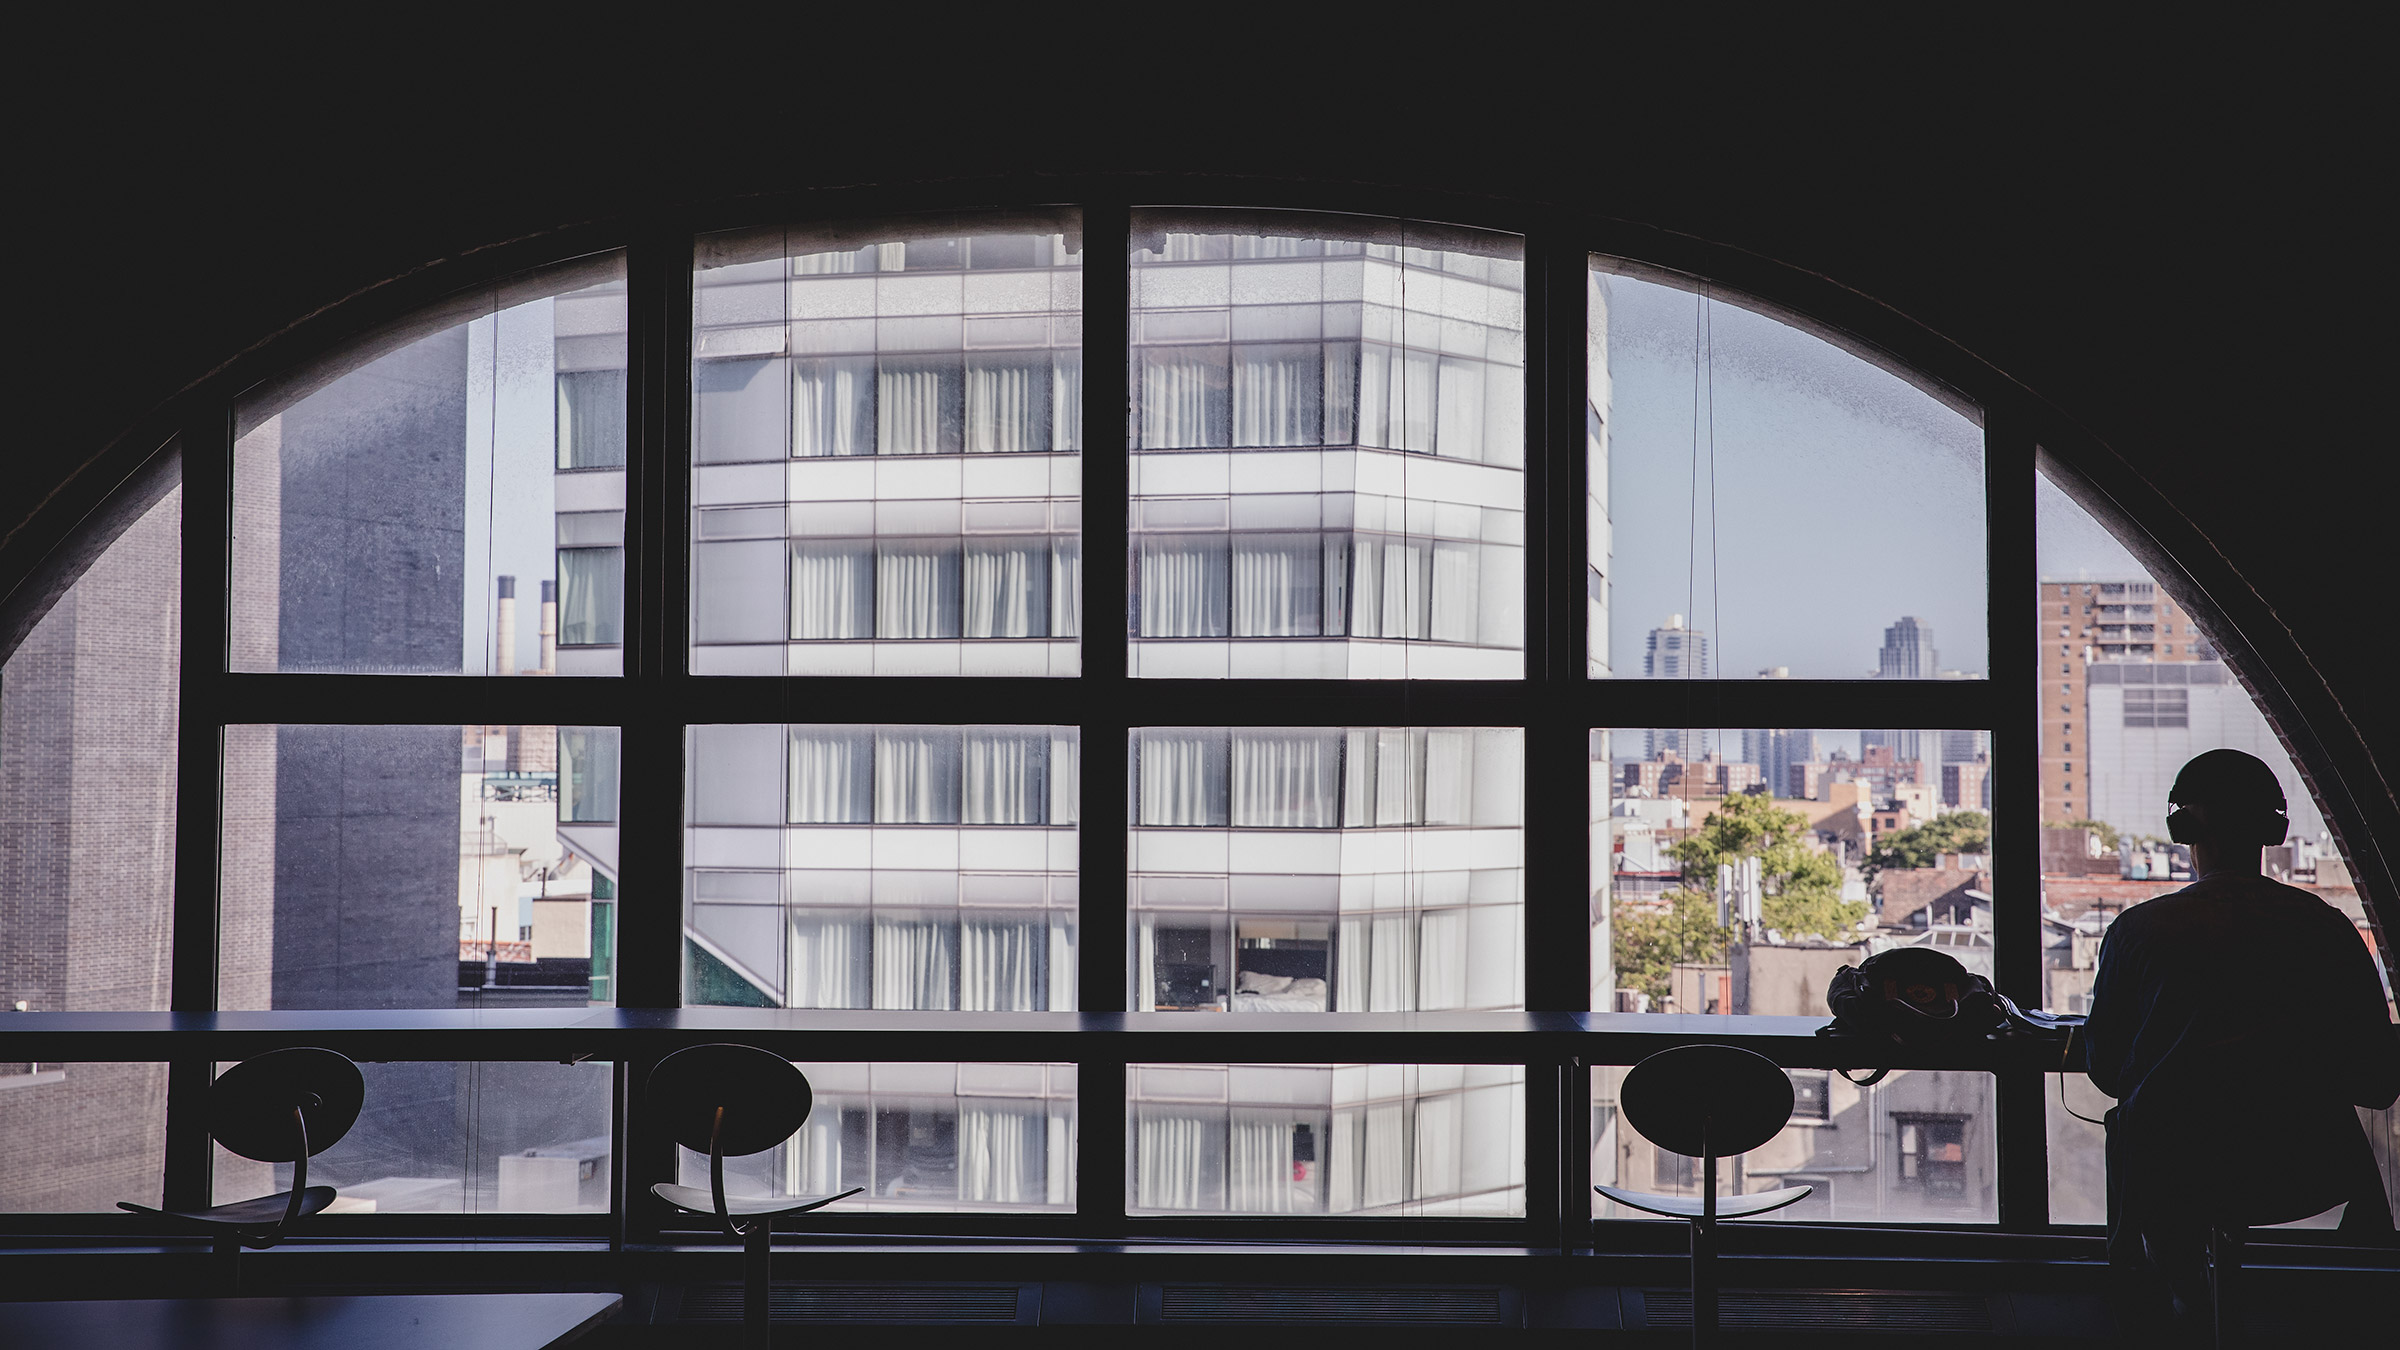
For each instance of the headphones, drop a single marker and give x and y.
(2260, 825)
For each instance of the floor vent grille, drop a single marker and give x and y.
(1260, 1303)
(858, 1303)
(1770, 1310)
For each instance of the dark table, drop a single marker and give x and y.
(365, 1322)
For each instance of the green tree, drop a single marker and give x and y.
(1648, 943)
(1803, 887)
(1921, 845)
(2107, 832)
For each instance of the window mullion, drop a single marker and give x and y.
(1103, 688)
(2012, 564)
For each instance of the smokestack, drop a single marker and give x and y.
(549, 622)
(504, 629)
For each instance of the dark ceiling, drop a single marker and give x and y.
(2164, 234)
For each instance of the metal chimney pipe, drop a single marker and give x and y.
(504, 629)
(549, 622)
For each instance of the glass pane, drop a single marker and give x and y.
(1357, 1140)
(887, 431)
(87, 785)
(902, 867)
(1735, 870)
(1335, 869)
(921, 1137)
(394, 506)
(1722, 445)
(458, 1139)
(417, 866)
(81, 1137)
(1328, 433)
(2079, 1158)
(1917, 1147)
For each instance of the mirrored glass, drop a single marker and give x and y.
(1354, 1140)
(1357, 387)
(446, 497)
(1333, 869)
(917, 868)
(1731, 458)
(862, 397)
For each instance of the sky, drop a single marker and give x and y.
(511, 455)
(1791, 499)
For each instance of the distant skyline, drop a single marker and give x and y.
(1844, 497)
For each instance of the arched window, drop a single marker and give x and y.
(1486, 645)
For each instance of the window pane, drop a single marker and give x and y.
(1361, 1140)
(393, 505)
(913, 868)
(88, 706)
(459, 1139)
(1328, 440)
(871, 404)
(1735, 870)
(417, 866)
(82, 1136)
(1337, 869)
(947, 1137)
(1917, 1147)
(1722, 442)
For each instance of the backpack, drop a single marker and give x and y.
(1915, 997)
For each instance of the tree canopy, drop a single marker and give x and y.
(1803, 887)
(1922, 845)
(1649, 943)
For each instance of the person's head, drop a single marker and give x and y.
(2227, 801)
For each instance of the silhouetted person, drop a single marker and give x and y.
(2237, 1022)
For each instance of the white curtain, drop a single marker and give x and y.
(828, 962)
(1066, 403)
(832, 778)
(916, 589)
(1403, 609)
(1276, 395)
(1275, 581)
(1000, 963)
(1460, 434)
(1066, 586)
(1352, 960)
(833, 587)
(913, 963)
(1182, 778)
(1066, 778)
(1391, 965)
(1341, 393)
(1442, 960)
(591, 419)
(1286, 779)
(1449, 777)
(812, 1161)
(1000, 1153)
(1007, 588)
(1183, 398)
(1180, 1162)
(1008, 403)
(1383, 1161)
(1183, 586)
(591, 595)
(1395, 397)
(1358, 777)
(1258, 1174)
(1456, 581)
(1399, 776)
(1438, 1144)
(833, 406)
(916, 777)
(1004, 778)
(912, 414)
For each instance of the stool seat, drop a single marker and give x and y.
(264, 1215)
(699, 1201)
(1694, 1207)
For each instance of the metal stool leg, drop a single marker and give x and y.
(757, 1256)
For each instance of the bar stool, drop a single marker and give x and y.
(1706, 1101)
(733, 1101)
(282, 1106)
